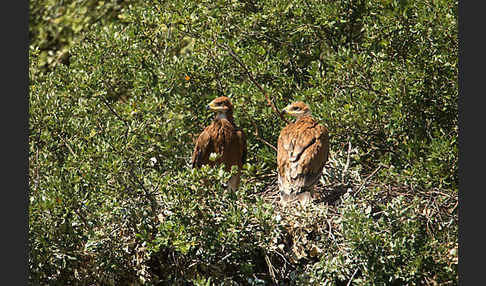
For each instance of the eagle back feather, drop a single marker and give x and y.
(303, 149)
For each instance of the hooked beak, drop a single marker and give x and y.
(284, 111)
(210, 106)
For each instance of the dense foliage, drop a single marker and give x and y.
(117, 96)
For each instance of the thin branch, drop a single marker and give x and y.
(67, 145)
(62, 138)
(330, 230)
(112, 110)
(270, 269)
(256, 177)
(253, 80)
(115, 113)
(147, 193)
(352, 276)
(454, 208)
(261, 139)
(367, 178)
(286, 262)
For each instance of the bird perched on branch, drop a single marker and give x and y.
(302, 151)
(224, 138)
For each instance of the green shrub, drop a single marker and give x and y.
(117, 95)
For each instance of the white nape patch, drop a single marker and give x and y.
(221, 115)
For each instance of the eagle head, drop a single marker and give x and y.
(297, 109)
(221, 104)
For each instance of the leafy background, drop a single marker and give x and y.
(117, 95)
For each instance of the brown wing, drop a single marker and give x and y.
(303, 149)
(235, 148)
(223, 138)
(203, 148)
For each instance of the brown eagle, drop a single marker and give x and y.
(302, 151)
(224, 138)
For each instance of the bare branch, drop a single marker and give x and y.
(67, 145)
(261, 139)
(253, 80)
(352, 276)
(271, 269)
(367, 178)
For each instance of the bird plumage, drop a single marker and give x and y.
(224, 138)
(302, 151)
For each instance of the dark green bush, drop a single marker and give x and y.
(117, 96)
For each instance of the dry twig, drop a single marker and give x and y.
(352, 276)
(67, 145)
(271, 269)
(367, 178)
